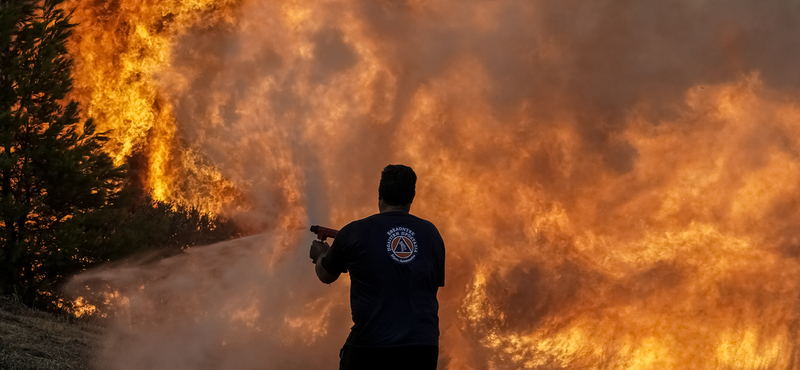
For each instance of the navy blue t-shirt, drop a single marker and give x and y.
(396, 266)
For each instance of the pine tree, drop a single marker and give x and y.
(52, 168)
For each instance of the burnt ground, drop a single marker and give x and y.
(36, 340)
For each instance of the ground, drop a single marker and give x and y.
(36, 340)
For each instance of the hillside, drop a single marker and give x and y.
(36, 340)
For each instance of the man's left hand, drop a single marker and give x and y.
(318, 249)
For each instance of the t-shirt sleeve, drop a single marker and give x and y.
(336, 259)
(440, 263)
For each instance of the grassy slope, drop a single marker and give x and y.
(37, 340)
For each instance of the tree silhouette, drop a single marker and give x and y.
(52, 167)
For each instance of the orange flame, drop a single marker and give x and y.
(604, 205)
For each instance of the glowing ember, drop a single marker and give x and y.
(83, 308)
(617, 184)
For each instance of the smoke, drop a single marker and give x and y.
(291, 82)
(615, 181)
(224, 306)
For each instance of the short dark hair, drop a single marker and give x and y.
(397, 185)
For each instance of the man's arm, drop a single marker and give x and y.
(318, 251)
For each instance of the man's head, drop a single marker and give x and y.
(397, 185)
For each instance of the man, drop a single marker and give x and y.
(396, 266)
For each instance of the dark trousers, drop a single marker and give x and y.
(389, 358)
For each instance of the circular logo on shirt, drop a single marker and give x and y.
(401, 245)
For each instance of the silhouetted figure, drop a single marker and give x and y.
(396, 266)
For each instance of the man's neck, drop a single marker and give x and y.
(383, 207)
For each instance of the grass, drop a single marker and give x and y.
(36, 340)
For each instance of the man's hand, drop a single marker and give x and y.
(318, 249)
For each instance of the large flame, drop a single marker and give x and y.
(119, 49)
(616, 183)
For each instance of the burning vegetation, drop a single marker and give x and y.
(616, 182)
